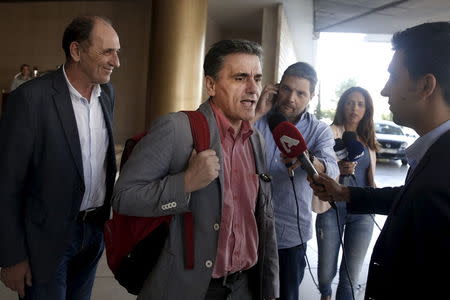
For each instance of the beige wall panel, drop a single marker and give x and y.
(178, 35)
(31, 33)
(213, 34)
(270, 43)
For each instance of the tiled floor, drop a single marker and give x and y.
(106, 287)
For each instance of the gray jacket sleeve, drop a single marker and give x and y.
(152, 181)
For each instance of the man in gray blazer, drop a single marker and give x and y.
(58, 168)
(225, 188)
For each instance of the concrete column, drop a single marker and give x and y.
(270, 42)
(176, 56)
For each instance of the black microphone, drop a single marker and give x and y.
(355, 150)
(340, 149)
(348, 136)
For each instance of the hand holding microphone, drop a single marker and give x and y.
(327, 189)
(290, 142)
(355, 150)
(348, 151)
(347, 167)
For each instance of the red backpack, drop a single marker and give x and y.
(133, 244)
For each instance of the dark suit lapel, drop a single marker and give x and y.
(106, 109)
(66, 114)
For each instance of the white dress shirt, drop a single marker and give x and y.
(94, 144)
(417, 150)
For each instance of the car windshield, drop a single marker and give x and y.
(387, 129)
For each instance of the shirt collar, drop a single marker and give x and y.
(305, 115)
(417, 150)
(224, 124)
(96, 90)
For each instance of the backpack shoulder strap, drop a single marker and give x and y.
(201, 138)
(199, 129)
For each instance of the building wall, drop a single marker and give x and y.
(32, 32)
(270, 43)
(286, 55)
(215, 33)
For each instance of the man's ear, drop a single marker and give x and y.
(210, 84)
(427, 85)
(75, 50)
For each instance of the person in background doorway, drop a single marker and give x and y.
(21, 77)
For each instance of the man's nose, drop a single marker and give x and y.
(253, 87)
(384, 91)
(291, 96)
(115, 61)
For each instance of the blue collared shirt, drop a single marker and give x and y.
(94, 144)
(320, 141)
(417, 150)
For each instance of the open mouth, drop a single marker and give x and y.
(248, 102)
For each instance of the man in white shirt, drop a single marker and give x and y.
(58, 169)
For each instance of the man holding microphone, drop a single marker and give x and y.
(414, 243)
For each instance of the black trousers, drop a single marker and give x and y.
(234, 287)
(292, 269)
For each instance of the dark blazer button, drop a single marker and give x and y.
(265, 177)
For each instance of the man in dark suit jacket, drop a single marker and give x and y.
(413, 247)
(58, 168)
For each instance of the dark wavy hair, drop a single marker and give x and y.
(427, 50)
(302, 70)
(366, 128)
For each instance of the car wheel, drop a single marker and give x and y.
(404, 161)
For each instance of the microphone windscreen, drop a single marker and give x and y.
(274, 119)
(355, 150)
(340, 149)
(288, 139)
(338, 145)
(348, 136)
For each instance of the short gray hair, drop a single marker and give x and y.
(218, 51)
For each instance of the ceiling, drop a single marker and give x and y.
(377, 16)
(381, 17)
(358, 16)
(362, 16)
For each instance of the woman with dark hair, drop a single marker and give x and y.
(354, 113)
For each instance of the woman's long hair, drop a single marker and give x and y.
(366, 128)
